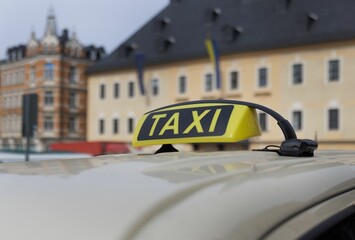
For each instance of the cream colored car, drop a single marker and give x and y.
(182, 196)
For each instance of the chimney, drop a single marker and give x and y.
(175, 1)
(65, 33)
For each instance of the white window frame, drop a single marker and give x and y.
(102, 91)
(292, 83)
(113, 125)
(73, 78)
(33, 74)
(73, 101)
(266, 121)
(74, 125)
(118, 91)
(301, 127)
(338, 119)
(333, 104)
(155, 85)
(49, 75)
(237, 70)
(212, 82)
(48, 126)
(341, 67)
(129, 89)
(48, 100)
(101, 133)
(180, 76)
(128, 124)
(267, 77)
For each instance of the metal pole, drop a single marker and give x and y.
(27, 126)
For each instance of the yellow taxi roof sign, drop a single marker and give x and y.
(197, 123)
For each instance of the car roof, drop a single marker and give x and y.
(214, 195)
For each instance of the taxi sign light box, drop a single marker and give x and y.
(197, 123)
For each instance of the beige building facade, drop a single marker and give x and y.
(298, 86)
(301, 65)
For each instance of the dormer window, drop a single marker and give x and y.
(93, 55)
(311, 19)
(213, 14)
(231, 33)
(162, 23)
(164, 44)
(129, 49)
(13, 58)
(19, 55)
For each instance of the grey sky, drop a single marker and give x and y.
(99, 22)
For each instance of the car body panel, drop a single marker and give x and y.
(220, 195)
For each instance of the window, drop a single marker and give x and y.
(115, 126)
(9, 99)
(212, 15)
(48, 98)
(3, 79)
(130, 125)
(72, 99)
(297, 120)
(101, 126)
(263, 122)
(13, 56)
(131, 89)
(208, 82)
(72, 124)
(21, 76)
(341, 226)
(155, 87)
(234, 80)
(9, 82)
(5, 102)
(93, 55)
(49, 71)
(116, 90)
(333, 70)
(33, 74)
(182, 85)
(262, 77)
(102, 91)
(78, 52)
(231, 33)
(48, 123)
(297, 73)
(72, 74)
(15, 80)
(333, 119)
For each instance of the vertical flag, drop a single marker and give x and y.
(140, 71)
(212, 49)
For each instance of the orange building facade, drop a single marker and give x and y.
(54, 68)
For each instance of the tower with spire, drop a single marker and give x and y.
(53, 43)
(50, 40)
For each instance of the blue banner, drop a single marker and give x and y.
(140, 58)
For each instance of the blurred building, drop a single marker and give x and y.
(295, 56)
(54, 68)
